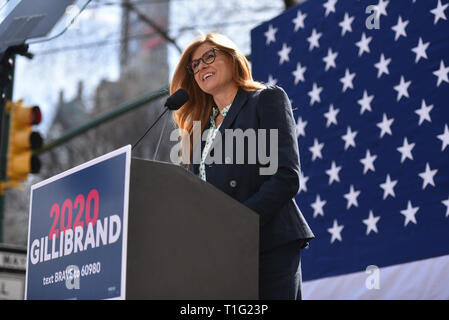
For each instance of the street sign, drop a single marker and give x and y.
(12, 272)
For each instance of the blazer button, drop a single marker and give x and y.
(228, 160)
(233, 183)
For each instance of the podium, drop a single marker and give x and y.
(182, 238)
(187, 239)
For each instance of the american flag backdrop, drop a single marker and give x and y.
(372, 110)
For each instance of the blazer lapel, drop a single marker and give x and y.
(236, 107)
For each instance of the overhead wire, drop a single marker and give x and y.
(137, 36)
(65, 29)
(96, 4)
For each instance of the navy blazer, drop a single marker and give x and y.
(271, 196)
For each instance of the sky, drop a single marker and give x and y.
(88, 50)
(59, 65)
(235, 18)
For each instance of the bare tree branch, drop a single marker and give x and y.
(154, 25)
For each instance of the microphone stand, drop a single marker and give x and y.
(160, 138)
(135, 144)
(174, 102)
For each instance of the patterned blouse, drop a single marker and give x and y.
(210, 138)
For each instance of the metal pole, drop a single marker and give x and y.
(4, 143)
(105, 117)
(160, 138)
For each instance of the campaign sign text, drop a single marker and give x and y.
(77, 231)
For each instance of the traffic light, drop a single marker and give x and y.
(23, 141)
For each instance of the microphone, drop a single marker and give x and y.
(177, 99)
(174, 102)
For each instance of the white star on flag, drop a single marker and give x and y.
(382, 66)
(442, 73)
(329, 6)
(313, 39)
(368, 162)
(299, 20)
(316, 149)
(371, 223)
(385, 125)
(423, 112)
(270, 35)
(420, 50)
(315, 94)
(347, 80)
(444, 137)
(283, 53)
(438, 12)
(330, 59)
(388, 187)
(406, 150)
(318, 206)
(299, 73)
(363, 44)
(335, 231)
(346, 24)
(402, 88)
(300, 127)
(381, 7)
(351, 197)
(409, 213)
(333, 173)
(428, 176)
(302, 182)
(349, 138)
(365, 102)
(399, 28)
(271, 81)
(331, 116)
(446, 203)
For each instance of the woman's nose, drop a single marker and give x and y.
(202, 65)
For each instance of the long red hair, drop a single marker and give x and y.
(199, 106)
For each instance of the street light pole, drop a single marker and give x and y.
(6, 93)
(7, 65)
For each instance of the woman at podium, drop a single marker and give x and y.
(249, 150)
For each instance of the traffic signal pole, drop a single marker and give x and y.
(6, 95)
(7, 64)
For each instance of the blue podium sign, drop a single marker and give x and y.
(77, 235)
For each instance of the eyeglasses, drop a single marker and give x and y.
(208, 57)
